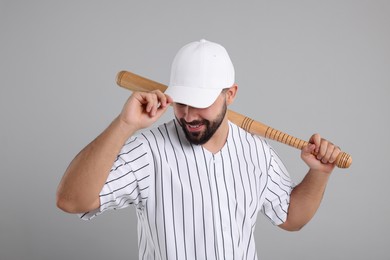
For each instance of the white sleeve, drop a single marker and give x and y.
(128, 180)
(278, 190)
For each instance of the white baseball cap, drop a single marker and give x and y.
(199, 72)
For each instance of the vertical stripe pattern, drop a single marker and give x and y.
(192, 204)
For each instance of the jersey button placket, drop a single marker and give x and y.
(213, 177)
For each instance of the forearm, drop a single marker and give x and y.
(305, 200)
(84, 178)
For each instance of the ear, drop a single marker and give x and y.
(231, 94)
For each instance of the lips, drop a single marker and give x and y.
(194, 127)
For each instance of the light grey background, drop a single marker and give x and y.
(302, 67)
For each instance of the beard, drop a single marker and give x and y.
(201, 137)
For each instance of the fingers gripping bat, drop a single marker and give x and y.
(135, 82)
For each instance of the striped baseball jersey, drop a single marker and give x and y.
(191, 203)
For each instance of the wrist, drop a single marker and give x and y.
(125, 129)
(319, 174)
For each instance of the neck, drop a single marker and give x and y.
(218, 140)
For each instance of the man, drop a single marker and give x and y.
(198, 181)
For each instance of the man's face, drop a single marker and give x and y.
(200, 124)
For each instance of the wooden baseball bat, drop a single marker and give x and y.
(135, 82)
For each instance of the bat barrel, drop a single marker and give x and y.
(136, 82)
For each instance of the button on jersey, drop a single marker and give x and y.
(192, 204)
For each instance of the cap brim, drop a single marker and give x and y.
(194, 97)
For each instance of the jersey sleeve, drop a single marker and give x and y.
(128, 180)
(278, 190)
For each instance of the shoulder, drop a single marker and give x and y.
(239, 133)
(253, 146)
(165, 127)
(157, 134)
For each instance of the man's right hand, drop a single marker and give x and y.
(142, 109)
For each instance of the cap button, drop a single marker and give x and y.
(203, 41)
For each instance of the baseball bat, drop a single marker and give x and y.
(136, 82)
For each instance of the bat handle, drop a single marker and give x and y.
(343, 160)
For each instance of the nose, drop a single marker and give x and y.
(189, 113)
